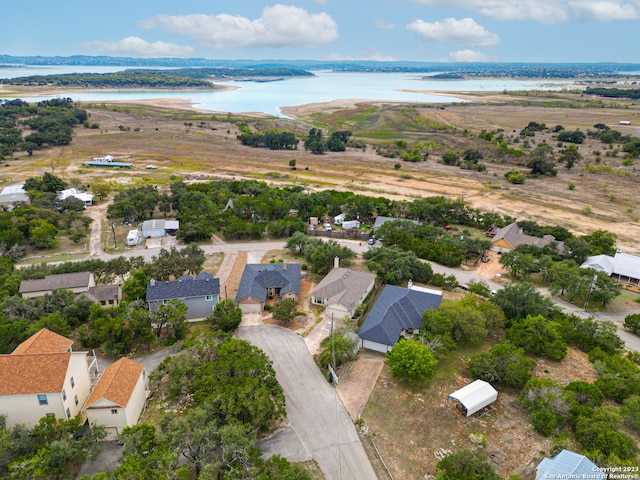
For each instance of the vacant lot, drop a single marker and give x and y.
(202, 146)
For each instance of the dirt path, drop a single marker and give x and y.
(97, 214)
(357, 383)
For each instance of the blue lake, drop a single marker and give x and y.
(270, 97)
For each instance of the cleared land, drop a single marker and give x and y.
(197, 146)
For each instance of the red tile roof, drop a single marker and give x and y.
(116, 383)
(32, 374)
(44, 341)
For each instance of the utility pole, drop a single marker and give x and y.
(113, 229)
(332, 367)
(592, 286)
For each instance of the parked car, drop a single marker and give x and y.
(372, 241)
(327, 227)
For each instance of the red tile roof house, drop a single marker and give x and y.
(119, 397)
(44, 376)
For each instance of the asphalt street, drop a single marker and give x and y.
(319, 425)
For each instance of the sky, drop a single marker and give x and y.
(382, 30)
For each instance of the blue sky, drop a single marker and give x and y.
(403, 30)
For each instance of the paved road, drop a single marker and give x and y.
(319, 425)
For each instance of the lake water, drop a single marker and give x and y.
(270, 97)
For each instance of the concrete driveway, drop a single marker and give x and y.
(319, 425)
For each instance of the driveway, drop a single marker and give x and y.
(319, 425)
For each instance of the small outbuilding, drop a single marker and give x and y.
(475, 396)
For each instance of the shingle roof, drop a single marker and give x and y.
(185, 287)
(101, 293)
(33, 374)
(351, 285)
(257, 277)
(397, 309)
(116, 383)
(514, 236)
(51, 282)
(44, 341)
(569, 463)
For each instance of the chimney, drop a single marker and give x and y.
(336, 262)
(284, 266)
(521, 230)
(152, 282)
(410, 284)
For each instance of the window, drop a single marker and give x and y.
(73, 383)
(50, 415)
(320, 300)
(114, 411)
(42, 400)
(208, 298)
(64, 395)
(68, 414)
(165, 302)
(75, 398)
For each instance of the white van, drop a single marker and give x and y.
(133, 237)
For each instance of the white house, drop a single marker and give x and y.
(338, 219)
(87, 198)
(119, 397)
(622, 266)
(42, 377)
(349, 224)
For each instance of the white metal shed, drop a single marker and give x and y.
(475, 396)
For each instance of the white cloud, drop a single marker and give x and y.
(279, 26)
(137, 47)
(382, 25)
(604, 11)
(377, 55)
(542, 11)
(464, 32)
(469, 56)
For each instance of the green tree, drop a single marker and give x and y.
(505, 363)
(240, 385)
(522, 299)
(632, 322)
(173, 316)
(343, 346)
(570, 156)
(450, 158)
(465, 465)
(600, 431)
(394, 266)
(541, 161)
(226, 316)
(284, 310)
(411, 362)
(539, 336)
(320, 256)
(519, 264)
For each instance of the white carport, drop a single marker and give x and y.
(475, 396)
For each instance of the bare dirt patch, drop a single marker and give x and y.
(410, 425)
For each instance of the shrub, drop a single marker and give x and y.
(505, 364)
(412, 362)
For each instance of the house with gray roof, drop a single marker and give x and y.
(267, 280)
(397, 313)
(200, 294)
(510, 237)
(159, 228)
(13, 194)
(622, 266)
(380, 220)
(80, 283)
(342, 291)
(568, 464)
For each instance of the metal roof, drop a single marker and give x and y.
(569, 463)
(475, 396)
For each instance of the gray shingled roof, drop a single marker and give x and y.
(352, 284)
(257, 277)
(51, 282)
(185, 287)
(396, 309)
(514, 235)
